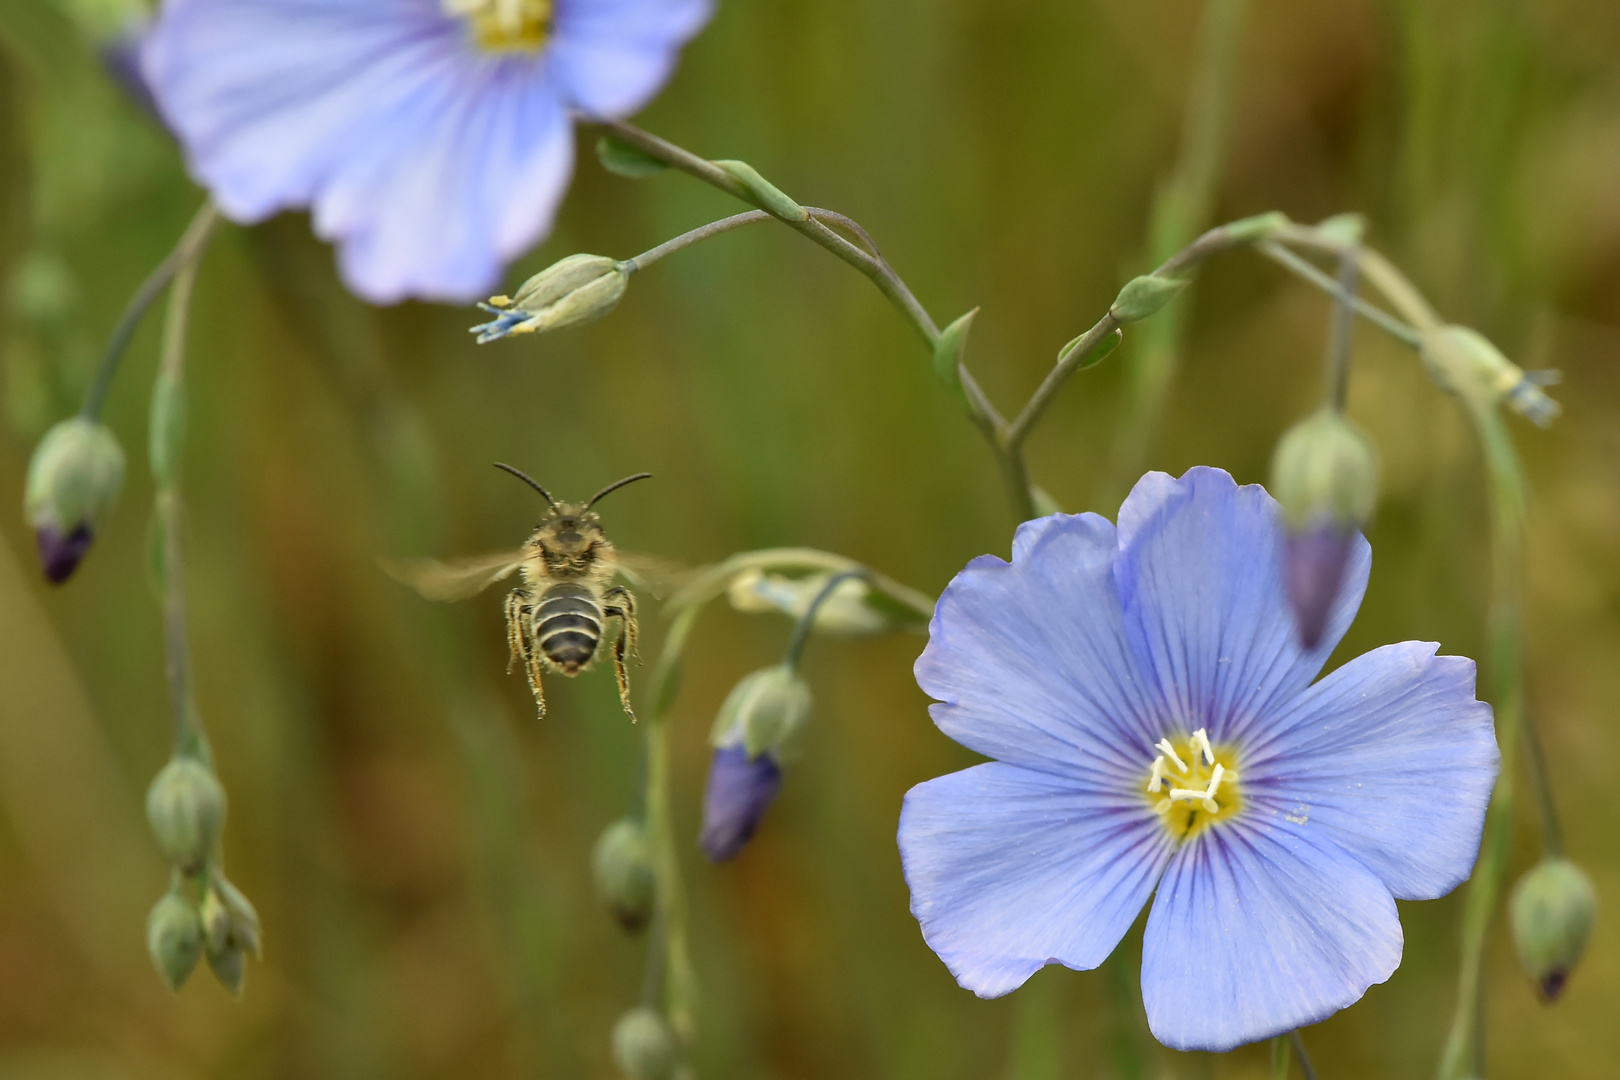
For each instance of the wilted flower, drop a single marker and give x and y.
(570, 292)
(1155, 729)
(431, 138)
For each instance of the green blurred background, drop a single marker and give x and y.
(417, 844)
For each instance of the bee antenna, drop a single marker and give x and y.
(527, 479)
(616, 485)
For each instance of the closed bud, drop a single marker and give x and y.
(577, 290)
(244, 920)
(174, 937)
(186, 808)
(853, 608)
(741, 788)
(1554, 906)
(1465, 362)
(1325, 476)
(765, 713)
(73, 480)
(622, 866)
(1142, 296)
(229, 966)
(644, 1047)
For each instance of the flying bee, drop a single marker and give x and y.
(555, 620)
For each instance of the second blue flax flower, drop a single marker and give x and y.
(1156, 730)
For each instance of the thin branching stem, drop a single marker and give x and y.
(1305, 1066)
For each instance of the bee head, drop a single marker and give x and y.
(569, 528)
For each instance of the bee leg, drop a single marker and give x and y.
(625, 612)
(625, 608)
(522, 647)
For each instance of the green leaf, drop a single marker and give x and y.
(619, 157)
(770, 198)
(1142, 296)
(949, 348)
(1098, 351)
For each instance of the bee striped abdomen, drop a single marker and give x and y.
(568, 626)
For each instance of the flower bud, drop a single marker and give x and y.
(644, 1046)
(229, 966)
(577, 290)
(1142, 296)
(851, 609)
(623, 869)
(73, 480)
(174, 937)
(186, 808)
(1325, 476)
(1465, 362)
(1554, 906)
(244, 920)
(741, 789)
(766, 712)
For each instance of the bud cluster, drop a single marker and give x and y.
(202, 914)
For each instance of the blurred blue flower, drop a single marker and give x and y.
(1154, 727)
(740, 790)
(431, 138)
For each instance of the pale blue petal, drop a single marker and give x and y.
(610, 56)
(1029, 661)
(1200, 577)
(1011, 869)
(1392, 758)
(1257, 930)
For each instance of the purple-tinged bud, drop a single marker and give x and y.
(740, 790)
(60, 555)
(73, 481)
(1325, 476)
(1314, 561)
(1554, 906)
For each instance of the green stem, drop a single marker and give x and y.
(1377, 316)
(687, 239)
(1339, 334)
(1298, 1044)
(672, 964)
(189, 737)
(1463, 1053)
(133, 312)
(801, 629)
(1281, 1059)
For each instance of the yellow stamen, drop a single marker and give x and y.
(1205, 792)
(504, 25)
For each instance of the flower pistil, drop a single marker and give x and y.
(1194, 787)
(505, 25)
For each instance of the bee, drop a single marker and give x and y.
(556, 619)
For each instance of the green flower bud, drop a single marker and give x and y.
(229, 966)
(174, 937)
(244, 920)
(1554, 906)
(1325, 470)
(1142, 296)
(73, 480)
(577, 290)
(622, 866)
(852, 609)
(765, 713)
(186, 808)
(644, 1047)
(1464, 362)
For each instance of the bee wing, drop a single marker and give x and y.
(653, 573)
(454, 580)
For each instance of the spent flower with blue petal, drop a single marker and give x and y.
(1156, 733)
(432, 139)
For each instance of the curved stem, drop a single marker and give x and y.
(1305, 1066)
(801, 629)
(189, 737)
(133, 312)
(1377, 316)
(687, 239)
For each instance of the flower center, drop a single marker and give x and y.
(504, 25)
(1191, 784)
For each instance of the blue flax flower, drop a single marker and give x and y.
(431, 138)
(1155, 729)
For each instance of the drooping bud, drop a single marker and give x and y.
(229, 966)
(740, 790)
(853, 608)
(644, 1047)
(186, 808)
(1554, 906)
(574, 291)
(174, 937)
(1325, 476)
(766, 712)
(73, 480)
(1465, 362)
(622, 866)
